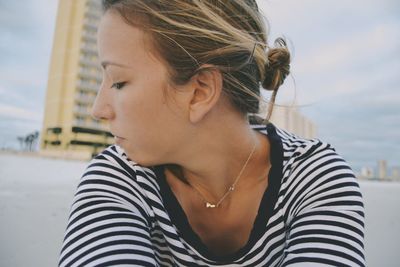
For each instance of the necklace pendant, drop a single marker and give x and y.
(208, 205)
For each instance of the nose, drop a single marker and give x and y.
(102, 109)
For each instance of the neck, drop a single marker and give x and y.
(214, 169)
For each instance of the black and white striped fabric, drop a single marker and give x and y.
(311, 214)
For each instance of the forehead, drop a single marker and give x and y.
(118, 41)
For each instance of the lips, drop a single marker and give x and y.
(118, 140)
(117, 136)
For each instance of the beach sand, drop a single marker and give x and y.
(36, 194)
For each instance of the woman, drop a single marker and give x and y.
(195, 178)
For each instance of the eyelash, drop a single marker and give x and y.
(120, 85)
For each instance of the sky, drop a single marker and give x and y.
(345, 64)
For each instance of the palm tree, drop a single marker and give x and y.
(35, 139)
(21, 140)
(28, 142)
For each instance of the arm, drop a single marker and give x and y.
(325, 212)
(107, 223)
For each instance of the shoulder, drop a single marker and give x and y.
(321, 203)
(298, 152)
(312, 164)
(110, 215)
(114, 158)
(314, 170)
(113, 174)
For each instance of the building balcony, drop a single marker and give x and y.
(96, 126)
(93, 11)
(93, 8)
(89, 49)
(90, 24)
(86, 86)
(85, 73)
(81, 111)
(89, 34)
(86, 61)
(52, 142)
(88, 38)
(84, 99)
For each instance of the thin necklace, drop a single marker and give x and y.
(230, 189)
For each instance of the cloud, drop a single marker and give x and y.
(363, 127)
(364, 83)
(27, 19)
(311, 15)
(25, 92)
(11, 23)
(11, 111)
(24, 76)
(336, 48)
(27, 29)
(365, 47)
(348, 69)
(25, 46)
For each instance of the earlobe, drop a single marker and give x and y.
(207, 88)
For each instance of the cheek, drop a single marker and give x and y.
(135, 105)
(139, 118)
(147, 122)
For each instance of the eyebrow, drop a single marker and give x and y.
(104, 64)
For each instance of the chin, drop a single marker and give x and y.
(140, 160)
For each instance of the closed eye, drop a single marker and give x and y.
(118, 85)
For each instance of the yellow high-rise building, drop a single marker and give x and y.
(74, 78)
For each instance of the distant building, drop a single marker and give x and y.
(382, 166)
(291, 119)
(74, 78)
(395, 174)
(367, 173)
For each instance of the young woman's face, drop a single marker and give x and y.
(131, 94)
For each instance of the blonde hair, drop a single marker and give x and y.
(228, 34)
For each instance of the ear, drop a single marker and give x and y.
(206, 91)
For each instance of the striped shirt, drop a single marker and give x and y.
(311, 213)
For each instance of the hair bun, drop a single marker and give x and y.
(277, 66)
